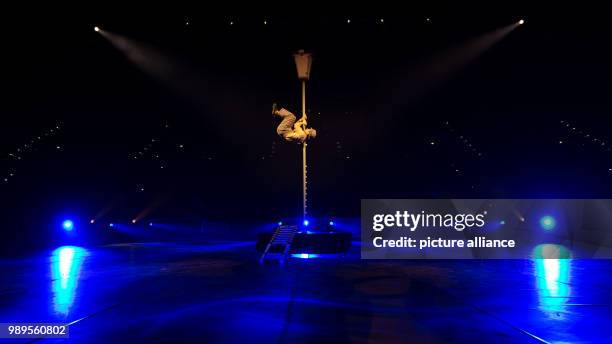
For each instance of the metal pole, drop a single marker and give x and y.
(304, 179)
(304, 166)
(304, 98)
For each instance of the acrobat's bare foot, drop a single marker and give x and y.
(275, 108)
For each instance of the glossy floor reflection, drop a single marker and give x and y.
(218, 293)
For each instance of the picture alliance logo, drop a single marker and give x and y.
(413, 221)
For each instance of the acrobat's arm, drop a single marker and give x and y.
(301, 123)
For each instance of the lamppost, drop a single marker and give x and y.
(303, 62)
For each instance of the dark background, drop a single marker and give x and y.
(502, 126)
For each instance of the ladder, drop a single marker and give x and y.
(279, 244)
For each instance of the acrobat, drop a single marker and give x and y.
(290, 129)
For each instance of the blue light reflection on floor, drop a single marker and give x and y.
(66, 263)
(553, 282)
(304, 255)
(316, 255)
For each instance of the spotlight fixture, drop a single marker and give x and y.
(306, 223)
(96, 29)
(134, 221)
(92, 221)
(68, 225)
(331, 223)
(521, 22)
(548, 222)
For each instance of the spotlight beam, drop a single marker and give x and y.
(202, 90)
(425, 77)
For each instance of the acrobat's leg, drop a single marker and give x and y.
(286, 125)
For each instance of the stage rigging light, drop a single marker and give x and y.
(96, 29)
(548, 222)
(521, 22)
(331, 223)
(306, 223)
(68, 225)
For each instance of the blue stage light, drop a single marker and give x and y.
(306, 223)
(280, 223)
(68, 225)
(548, 222)
(331, 223)
(150, 224)
(111, 224)
(502, 222)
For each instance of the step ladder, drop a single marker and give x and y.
(280, 244)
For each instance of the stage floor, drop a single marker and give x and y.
(218, 293)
